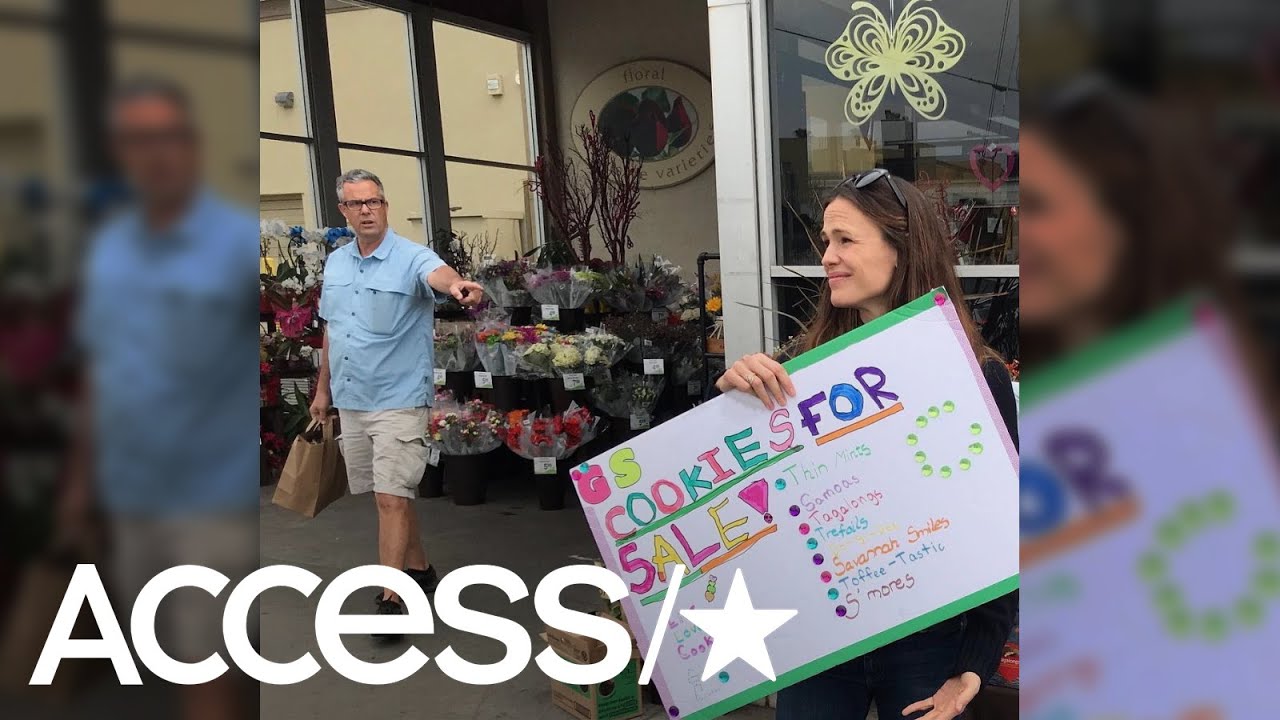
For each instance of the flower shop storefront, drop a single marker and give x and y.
(924, 88)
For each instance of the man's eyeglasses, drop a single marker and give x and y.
(862, 180)
(354, 205)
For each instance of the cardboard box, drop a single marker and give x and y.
(616, 699)
(571, 646)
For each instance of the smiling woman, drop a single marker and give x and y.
(882, 247)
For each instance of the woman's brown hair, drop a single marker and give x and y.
(926, 260)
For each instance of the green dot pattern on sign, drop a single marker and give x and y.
(1267, 546)
(833, 594)
(1213, 624)
(922, 458)
(1249, 612)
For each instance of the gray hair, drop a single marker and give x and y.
(357, 175)
(151, 87)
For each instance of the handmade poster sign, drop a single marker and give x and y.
(879, 501)
(1150, 519)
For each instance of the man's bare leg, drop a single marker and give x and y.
(395, 525)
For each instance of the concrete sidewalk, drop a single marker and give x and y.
(509, 531)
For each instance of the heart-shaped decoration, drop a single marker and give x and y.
(992, 153)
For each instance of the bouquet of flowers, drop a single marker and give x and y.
(557, 436)
(534, 351)
(626, 290)
(504, 281)
(569, 288)
(496, 347)
(456, 350)
(661, 281)
(629, 396)
(600, 350)
(472, 429)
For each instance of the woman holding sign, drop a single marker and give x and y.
(884, 247)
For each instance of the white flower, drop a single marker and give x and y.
(273, 228)
(594, 356)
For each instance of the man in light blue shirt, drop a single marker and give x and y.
(168, 324)
(378, 301)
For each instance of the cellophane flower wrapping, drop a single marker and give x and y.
(626, 289)
(600, 351)
(504, 281)
(662, 284)
(496, 347)
(629, 394)
(534, 351)
(472, 428)
(568, 288)
(455, 350)
(555, 436)
(685, 366)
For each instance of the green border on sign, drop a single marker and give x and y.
(1123, 345)
(897, 632)
(879, 640)
(862, 332)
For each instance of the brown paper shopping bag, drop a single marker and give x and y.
(314, 475)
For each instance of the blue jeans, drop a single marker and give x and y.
(893, 677)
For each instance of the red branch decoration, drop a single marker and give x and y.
(619, 199)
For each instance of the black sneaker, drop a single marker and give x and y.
(387, 606)
(426, 579)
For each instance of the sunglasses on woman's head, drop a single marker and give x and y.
(862, 180)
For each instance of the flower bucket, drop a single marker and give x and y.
(538, 393)
(505, 394)
(461, 383)
(432, 482)
(571, 320)
(552, 488)
(562, 398)
(466, 476)
(521, 315)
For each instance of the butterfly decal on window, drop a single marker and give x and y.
(902, 57)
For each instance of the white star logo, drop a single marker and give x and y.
(738, 630)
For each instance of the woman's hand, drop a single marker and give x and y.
(759, 374)
(950, 700)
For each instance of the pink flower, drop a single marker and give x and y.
(293, 323)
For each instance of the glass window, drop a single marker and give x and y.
(374, 93)
(285, 183)
(232, 18)
(220, 89)
(483, 91)
(282, 107)
(494, 202)
(401, 178)
(839, 110)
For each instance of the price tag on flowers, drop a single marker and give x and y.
(484, 379)
(550, 312)
(575, 381)
(439, 376)
(654, 366)
(544, 466)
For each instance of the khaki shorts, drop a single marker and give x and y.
(188, 621)
(385, 450)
